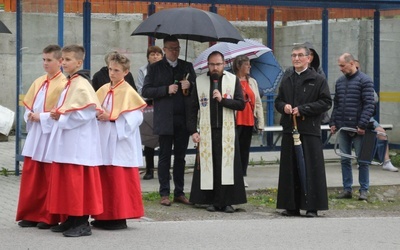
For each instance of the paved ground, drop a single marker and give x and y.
(13, 237)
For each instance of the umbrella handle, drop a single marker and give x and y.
(294, 122)
(198, 156)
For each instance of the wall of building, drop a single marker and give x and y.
(112, 32)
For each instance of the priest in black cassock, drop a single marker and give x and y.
(218, 178)
(304, 94)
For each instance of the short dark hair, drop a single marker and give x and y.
(170, 39)
(53, 48)
(153, 49)
(216, 52)
(302, 46)
(78, 50)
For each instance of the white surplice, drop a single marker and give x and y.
(121, 144)
(75, 137)
(36, 141)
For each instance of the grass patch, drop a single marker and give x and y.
(263, 197)
(380, 197)
(4, 171)
(151, 197)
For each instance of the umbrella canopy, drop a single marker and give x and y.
(301, 165)
(3, 28)
(189, 23)
(264, 67)
(248, 47)
(146, 129)
(267, 71)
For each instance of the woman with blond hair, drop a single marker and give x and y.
(253, 112)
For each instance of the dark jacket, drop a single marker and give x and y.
(353, 102)
(84, 73)
(311, 96)
(167, 108)
(102, 77)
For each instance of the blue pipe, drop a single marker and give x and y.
(270, 96)
(61, 23)
(151, 11)
(87, 33)
(325, 38)
(18, 156)
(377, 59)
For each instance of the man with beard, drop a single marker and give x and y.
(303, 95)
(218, 179)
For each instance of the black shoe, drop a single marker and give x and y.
(27, 223)
(42, 225)
(63, 226)
(148, 176)
(211, 208)
(345, 195)
(311, 214)
(229, 209)
(291, 212)
(115, 224)
(98, 223)
(363, 195)
(81, 230)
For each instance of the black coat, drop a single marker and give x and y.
(310, 93)
(167, 107)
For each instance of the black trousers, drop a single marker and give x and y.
(245, 133)
(179, 141)
(149, 157)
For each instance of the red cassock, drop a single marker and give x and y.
(122, 196)
(74, 190)
(33, 193)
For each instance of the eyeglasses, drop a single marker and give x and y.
(300, 55)
(215, 64)
(173, 49)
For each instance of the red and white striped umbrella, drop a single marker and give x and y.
(248, 47)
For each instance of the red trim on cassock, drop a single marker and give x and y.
(74, 190)
(122, 193)
(33, 191)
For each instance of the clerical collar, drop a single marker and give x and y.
(173, 64)
(299, 73)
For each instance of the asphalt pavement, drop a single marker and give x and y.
(281, 233)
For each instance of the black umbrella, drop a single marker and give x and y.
(146, 129)
(3, 28)
(298, 148)
(189, 23)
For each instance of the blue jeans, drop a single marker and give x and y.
(346, 140)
